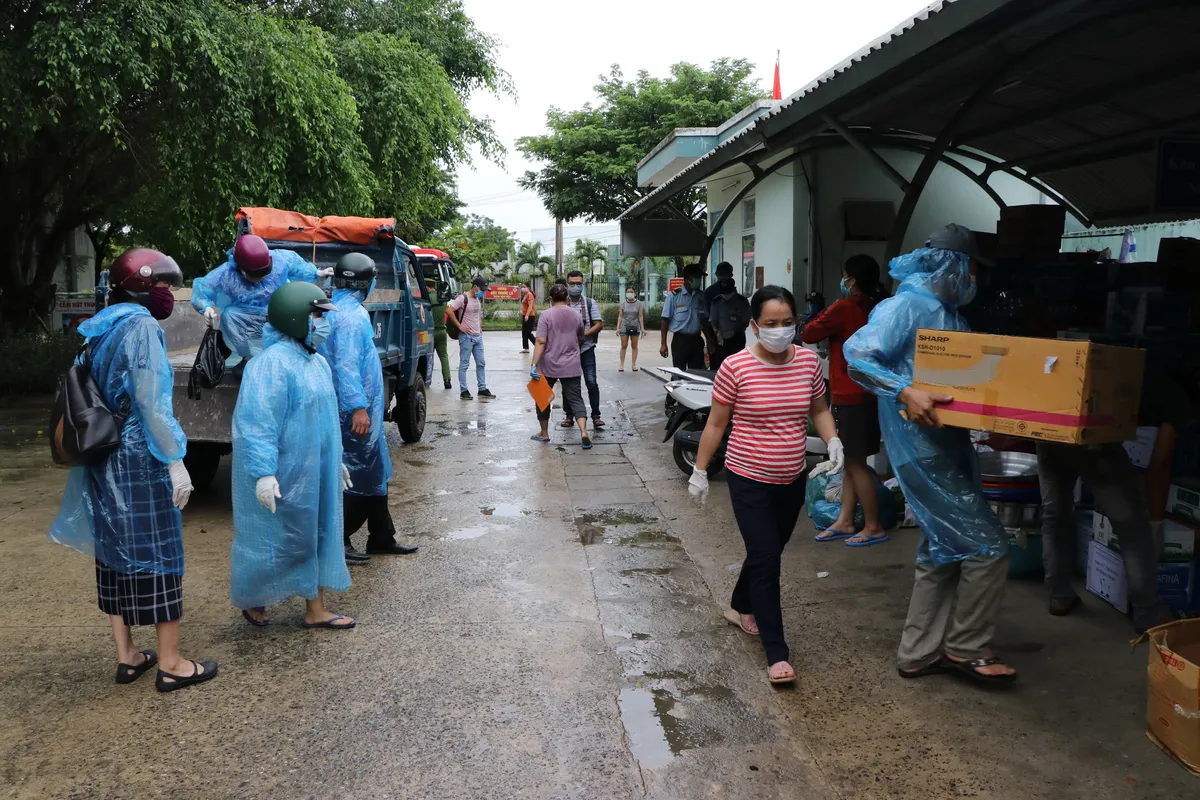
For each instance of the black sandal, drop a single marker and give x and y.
(936, 667)
(128, 673)
(180, 681)
(970, 670)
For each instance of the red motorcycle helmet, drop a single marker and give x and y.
(250, 253)
(137, 270)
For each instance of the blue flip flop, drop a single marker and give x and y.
(538, 438)
(837, 536)
(872, 540)
(587, 444)
(331, 624)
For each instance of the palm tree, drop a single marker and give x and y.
(530, 255)
(587, 253)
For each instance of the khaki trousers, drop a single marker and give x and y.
(953, 610)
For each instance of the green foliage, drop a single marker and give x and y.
(611, 314)
(474, 243)
(33, 362)
(159, 118)
(587, 253)
(531, 261)
(590, 155)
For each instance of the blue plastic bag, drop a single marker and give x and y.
(824, 513)
(937, 467)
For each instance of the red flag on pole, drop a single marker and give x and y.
(776, 92)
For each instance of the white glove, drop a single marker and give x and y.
(325, 273)
(346, 484)
(181, 484)
(837, 459)
(698, 485)
(267, 492)
(212, 317)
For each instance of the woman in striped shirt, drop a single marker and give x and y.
(769, 390)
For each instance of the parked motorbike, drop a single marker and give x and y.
(689, 400)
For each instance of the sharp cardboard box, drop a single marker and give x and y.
(1141, 446)
(1055, 390)
(1173, 702)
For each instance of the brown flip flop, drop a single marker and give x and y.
(735, 619)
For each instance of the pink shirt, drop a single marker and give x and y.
(472, 321)
(770, 413)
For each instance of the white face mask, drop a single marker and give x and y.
(776, 340)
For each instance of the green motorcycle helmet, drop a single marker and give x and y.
(354, 271)
(292, 304)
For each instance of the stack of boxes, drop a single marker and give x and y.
(1177, 566)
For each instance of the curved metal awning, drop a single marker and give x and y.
(1073, 95)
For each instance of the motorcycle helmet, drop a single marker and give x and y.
(354, 271)
(292, 304)
(251, 254)
(136, 271)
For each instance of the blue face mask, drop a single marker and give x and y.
(845, 288)
(479, 295)
(318, 332)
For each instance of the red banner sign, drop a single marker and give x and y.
(503, 293)
(674, 283)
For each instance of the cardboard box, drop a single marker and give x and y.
(1179, 538)
(1106, 576)
(1184, 501)
(1141, 446)
(1055, 390)
(1177, 586)
(1173, 699)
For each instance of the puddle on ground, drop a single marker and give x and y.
(463, 534)
(656, 735)
(509, 463)
(644, 538)
(592, 525)
(419, 464)
(639, 637)
(504, 478)
(509, 510)
(589, 534)
(647, 571)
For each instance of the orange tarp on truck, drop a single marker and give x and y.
(292, 226)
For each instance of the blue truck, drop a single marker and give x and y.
(403, 322)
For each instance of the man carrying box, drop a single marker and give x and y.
(962, 560)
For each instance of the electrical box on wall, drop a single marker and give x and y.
(867, 220)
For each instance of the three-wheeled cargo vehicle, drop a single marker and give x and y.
(400, 313)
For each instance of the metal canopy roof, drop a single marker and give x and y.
(1069, 94)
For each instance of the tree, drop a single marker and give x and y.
(529, 254)
(474, 243)
(161, 117)
(590, 155)
(587, 253)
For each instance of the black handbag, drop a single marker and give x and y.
(83, 430)
(209, 367)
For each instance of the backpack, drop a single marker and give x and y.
(83, 430)
(451, 330)
(731, 316)
(589, 320)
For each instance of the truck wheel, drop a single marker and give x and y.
(202, 462)
(685, 459)
(409, 412)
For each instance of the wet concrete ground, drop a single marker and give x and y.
(558, 636)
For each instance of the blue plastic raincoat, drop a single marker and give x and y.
(243, 305)
(286, 424)
(121, 511)
(937, 467)
(358, 379)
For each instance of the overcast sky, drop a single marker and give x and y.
(555, 52)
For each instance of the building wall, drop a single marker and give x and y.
(771, 228)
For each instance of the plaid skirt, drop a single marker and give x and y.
(141, 598)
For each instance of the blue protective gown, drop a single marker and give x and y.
(121, 511)
(937, 467)
(286, 424)
(358, 379)
(243, 305)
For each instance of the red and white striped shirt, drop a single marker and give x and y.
(770, 413)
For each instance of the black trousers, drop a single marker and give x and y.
(766, 515)
(572, 398)
(528, 332)
(357, 509)
(734, 344)
(687, 351)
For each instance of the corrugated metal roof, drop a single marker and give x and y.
(1091, 77)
